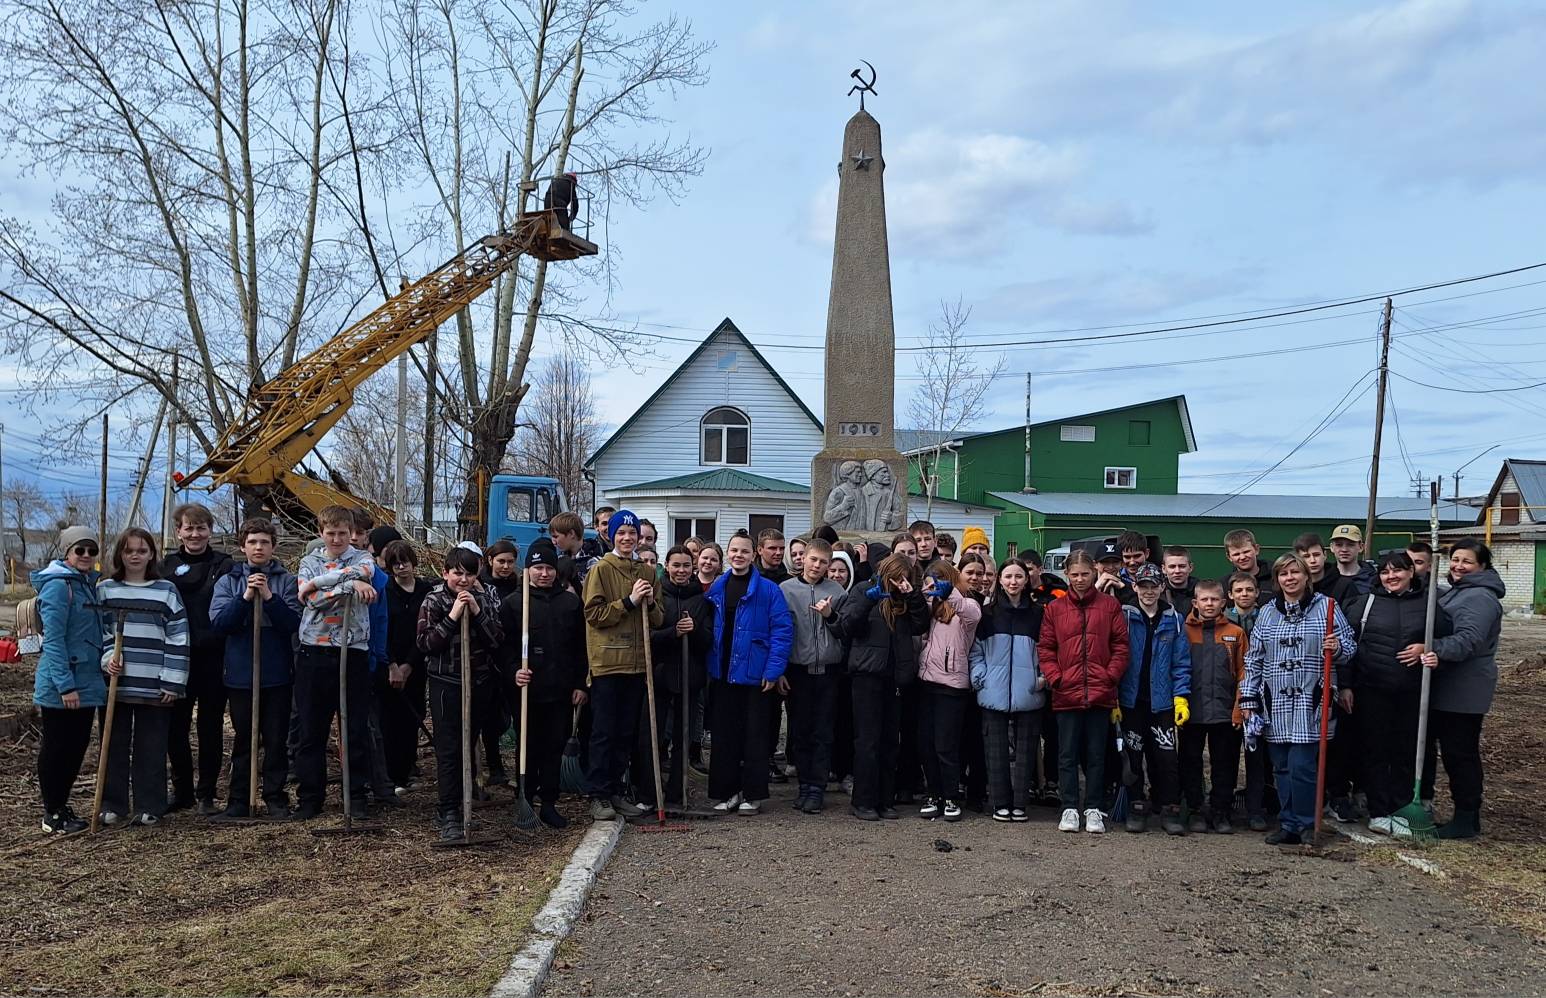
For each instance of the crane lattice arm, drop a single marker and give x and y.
(287, 416)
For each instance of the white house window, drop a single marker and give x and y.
(1121, 478)
(1076, 433)
(726, 437)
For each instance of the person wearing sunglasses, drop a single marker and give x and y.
(69, 685)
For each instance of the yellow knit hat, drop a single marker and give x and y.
(974, 535)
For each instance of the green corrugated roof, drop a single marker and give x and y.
(719, 480)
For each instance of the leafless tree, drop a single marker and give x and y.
(560, 427)
(26, 508)
(950, 397)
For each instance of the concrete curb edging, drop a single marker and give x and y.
(530, 966)
(1427, 866)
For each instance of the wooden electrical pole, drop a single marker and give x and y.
(1379, 426)
(1027, 486)
(429, 437)
(171, 463)
(102, 513)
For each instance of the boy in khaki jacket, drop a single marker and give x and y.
(619, 593)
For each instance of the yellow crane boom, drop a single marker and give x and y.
(288, 415)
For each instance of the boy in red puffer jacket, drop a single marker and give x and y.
(1083, 650)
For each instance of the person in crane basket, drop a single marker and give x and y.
(563, 197)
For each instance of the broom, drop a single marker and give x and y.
(1413, 820)
(571, 777)
(525, 817)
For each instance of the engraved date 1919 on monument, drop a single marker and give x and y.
(858, 429)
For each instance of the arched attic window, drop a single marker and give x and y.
(726, 435)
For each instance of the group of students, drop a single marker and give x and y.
(906, 669)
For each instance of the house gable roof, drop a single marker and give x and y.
(719, 480)
(725, 327)
(920, 440)
(1529, 477)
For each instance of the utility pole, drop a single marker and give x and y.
(400, 479)
(102, 512)
(429, 436)
(142, 475)
(1379, 426)
(171, 462)
(1027, 486)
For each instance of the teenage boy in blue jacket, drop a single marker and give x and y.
(753, 633)
(259, 581)
(1153, 699)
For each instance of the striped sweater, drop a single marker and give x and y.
(155, 638)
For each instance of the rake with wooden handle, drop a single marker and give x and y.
(525, 817)
(107, 720)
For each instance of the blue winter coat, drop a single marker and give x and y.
(72, 637)
(1170, 663)
(378, 622)
(764, 633)
(231, 615)
(1005, 668)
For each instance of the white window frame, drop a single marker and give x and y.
(1075, 433)
(704, 426)
(694, 518)
(1116, 472)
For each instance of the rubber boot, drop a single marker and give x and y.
(1170, 820)
(1137, 816)
(1464, 825)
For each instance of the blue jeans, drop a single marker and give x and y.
(1294, 766)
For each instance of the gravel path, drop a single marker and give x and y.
(785, 903)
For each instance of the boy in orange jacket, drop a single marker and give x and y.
(1218, 665)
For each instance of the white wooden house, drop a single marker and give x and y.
(724, 444)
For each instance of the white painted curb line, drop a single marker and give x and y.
(529, 967)
(1427, 866)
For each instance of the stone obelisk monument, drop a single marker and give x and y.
(858, 480)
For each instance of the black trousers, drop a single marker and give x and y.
(1343, 767)
(400, 711)
(668, 730)
(909, 764)
(1049, 745)
(877, 712)
(1082, 739)
(62, 748)
(739, 762)
(445, 708)
(974, 765)
(1009, 784)
(317, 700)
(1151, 734)
(842, 724)
(1388, 746)
(1460, 746)
(136, 759)
(941, 714)
(614, 717)
(273, 728)
(206, 692)
(1261, 786)
(547, 731)
(496, 720)
(1223, 745)
(812, 702)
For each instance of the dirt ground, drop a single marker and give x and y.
(187, 908)
(791, 904)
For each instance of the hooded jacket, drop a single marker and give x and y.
(1467, 675)
(676, 602)
(195, 576)
(1163, 641)
(947, 651)
(1005, 666)
(555, 641)
(762, 637)
(876, 649)
(1180, 598)
(155, 638)
(322, 609)
(614, 640)
(231, 617)
(73, 624)
(440, 637)
(815, 646)
(1218, 664)
(1386, 623)
(845, 558)
(1082, 650)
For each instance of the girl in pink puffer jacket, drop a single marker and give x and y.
(945, 672)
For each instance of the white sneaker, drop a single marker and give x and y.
(952, 811)
(930, 809)
(1380, 826)
(111, 818)
(1070, 822)
(749, 807)
(728, 806)
(1093, 822)
(1400, 828)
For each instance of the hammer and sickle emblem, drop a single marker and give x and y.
(863, 86)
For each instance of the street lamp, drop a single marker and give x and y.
(1463, 467)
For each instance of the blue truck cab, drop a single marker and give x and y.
(520, 506)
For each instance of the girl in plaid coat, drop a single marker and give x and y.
(1283, 680)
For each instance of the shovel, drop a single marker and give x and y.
(107, 721)
(1326, 708)
(467, 838)
(525, 817)
(660, 824)
(349, 828)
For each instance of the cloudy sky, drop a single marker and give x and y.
(1077, 171)
(1062, 166)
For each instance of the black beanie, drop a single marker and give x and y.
(826, 533)
(381, 537)
(542, 552)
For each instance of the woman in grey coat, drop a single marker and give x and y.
(1466, 678)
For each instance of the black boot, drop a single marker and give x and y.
(1464, 825)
